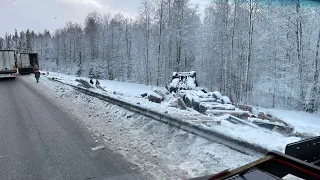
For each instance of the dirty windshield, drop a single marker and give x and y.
(159, 89)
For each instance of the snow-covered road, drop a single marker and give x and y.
(160, 150)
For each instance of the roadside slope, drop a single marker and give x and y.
(157, 148)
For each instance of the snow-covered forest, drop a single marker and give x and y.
(256, 52)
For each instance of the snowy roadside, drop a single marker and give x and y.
(131, 92)
(161, 151)
(303, 122)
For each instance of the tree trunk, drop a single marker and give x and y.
(315, 89)
(299, 53)
(160, 42)
(248, 62)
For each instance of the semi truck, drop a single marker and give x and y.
(8, 67)
(26, 62)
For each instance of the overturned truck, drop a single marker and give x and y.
(185, 85)
(182, 81)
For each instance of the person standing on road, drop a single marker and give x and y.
(36, 72)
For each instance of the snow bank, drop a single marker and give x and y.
(264, 138)
(160, 151)
(259, 136)
(225, 100)
(302, 122)
(127, 89)
(217, 94)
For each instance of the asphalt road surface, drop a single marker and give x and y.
(40, 141)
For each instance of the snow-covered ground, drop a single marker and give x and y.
(116, 87)
(302, 122)
(131, 92)
(160, 150)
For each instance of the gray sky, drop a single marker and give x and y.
(52, 14)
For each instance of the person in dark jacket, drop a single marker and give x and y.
(36, 72)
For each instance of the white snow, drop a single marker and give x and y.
(257, 136)
(302, 122)
(225, 100)
(97, 148)
(174, 83)
(127, 89)
(161, 151)
(213, 105)
(217, 94)
(265, 121)
(191, 83)
(264, 138)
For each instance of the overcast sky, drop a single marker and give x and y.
(52, 14)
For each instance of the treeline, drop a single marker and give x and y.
(256, 52)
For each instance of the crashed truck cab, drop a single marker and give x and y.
(301, 161)
(182, 81)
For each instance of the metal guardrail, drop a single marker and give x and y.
(211, 135)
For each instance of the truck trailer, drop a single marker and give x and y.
(8, 67)
(26, 62)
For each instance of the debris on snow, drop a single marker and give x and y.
(97, 148)
(163, 93)
(173, 103)
(84, 83)
(117, 93)
(154, 97)
(196, 97)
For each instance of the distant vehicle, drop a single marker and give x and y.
(26, 62)
(8, 67)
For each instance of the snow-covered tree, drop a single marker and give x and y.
(257, 52)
